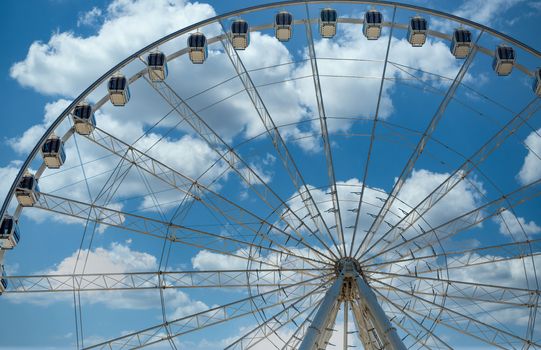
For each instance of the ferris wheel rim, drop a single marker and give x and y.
(185, 30)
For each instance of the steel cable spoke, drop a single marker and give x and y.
(406, 171)
(456, 177)
(279, 144)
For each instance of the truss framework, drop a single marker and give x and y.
(400, 282)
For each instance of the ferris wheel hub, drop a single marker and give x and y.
(348, 265)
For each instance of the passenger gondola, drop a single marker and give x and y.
(283, 23)
(240, 32)
(53, 152)
(197, 45)
(157, 66)
(84, 121)
(27, 191)
(9, 233)
(327, 23)
(417, 30)
(461, 43)
(373, 22)
(504, 60)
(119, 91)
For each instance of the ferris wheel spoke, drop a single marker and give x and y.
(463, 258)
(297, 336)
(216, 315)
(411, 330)
(468, 293)
(460, 223)
(218, 243)
(249, 176)
(401, 314)
(197, 191)
(406, 171)
(325, 132)
(269, 328)
(466, 261)
(455, 178)
(372, 138)
(365, 328)
(161, 280)
(278, 142)
(461, 321)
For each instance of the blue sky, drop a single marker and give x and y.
(61, 47)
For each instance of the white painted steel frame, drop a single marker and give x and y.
(318, 333)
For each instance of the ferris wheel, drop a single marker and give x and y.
(381, 211)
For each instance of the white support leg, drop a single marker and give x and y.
(318, 332)
(385, 329)
(364, 326)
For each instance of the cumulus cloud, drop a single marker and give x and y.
(206, 260)
(461, 199)
(73, 61)
(510, 224)
(89, 18)
(8, 174)
(26, 142)
(485, 12)
(117, 258)
(531, 168)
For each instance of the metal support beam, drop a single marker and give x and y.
(369, 338)
(315, 337)
(383, 326)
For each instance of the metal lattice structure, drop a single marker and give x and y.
(318, 258)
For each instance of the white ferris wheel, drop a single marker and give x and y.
(319, 262)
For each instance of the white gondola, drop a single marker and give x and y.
(461, 44)
(119, 91)
(84, 121)
(3, 280)
(197, 44)
(157, 66)
(327, 23)
(373, 22)
(27, 191)
(504, 60)
(537, 82)
(417, 29)
(53, 152)
(240, 34)
(283, 23)
(9, 233)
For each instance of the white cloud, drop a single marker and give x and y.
(463, 198)
(72, 62)
(118, 258)
(531, 168)
(89, 18)
(513, 225)
(182, 304)
(25, 143)
(8, 174)
(460, 200)
(485, 12)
